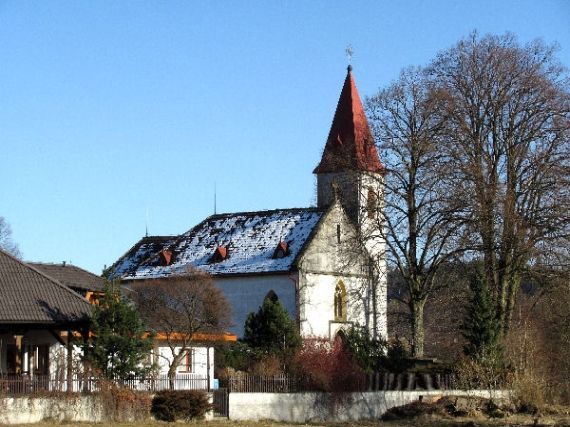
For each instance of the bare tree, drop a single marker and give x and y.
(507, 123)
(416, 221)
(179, 307)
(6, 241)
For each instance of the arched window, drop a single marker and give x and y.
(340, 302)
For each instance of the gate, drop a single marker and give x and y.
(221, 403)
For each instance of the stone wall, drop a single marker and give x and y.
(320, 407)
(24, 410)
(285, 407)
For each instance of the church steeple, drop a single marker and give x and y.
(350, 144)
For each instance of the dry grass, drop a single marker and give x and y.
(422, 421)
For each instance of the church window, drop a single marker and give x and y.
(338, 233)
(340, 302)
(281, 251)
(371, 203)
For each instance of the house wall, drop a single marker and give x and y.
(33, 337)
(202, 363)
(246, 294)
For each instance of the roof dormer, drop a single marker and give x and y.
(220, 254)
(165, 257)
(282, 250)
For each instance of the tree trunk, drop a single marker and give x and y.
(172, 369)
(417, 323)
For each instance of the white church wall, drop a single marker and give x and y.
(317, 317)
(370, 221)
(246, 294)
(333, 256)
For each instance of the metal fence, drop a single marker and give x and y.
(243, 383)
(378, 381)
(28, 384)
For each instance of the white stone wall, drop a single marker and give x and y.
(246, 294)
(354, 192)
(283, 407)
(323, 407)
(330, 258)
(373, 237)
(26, 410)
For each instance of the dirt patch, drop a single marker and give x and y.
(474, 412)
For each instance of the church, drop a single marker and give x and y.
(326, 264)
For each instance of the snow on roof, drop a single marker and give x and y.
(250, 238)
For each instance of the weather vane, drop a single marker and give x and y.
(349, 51)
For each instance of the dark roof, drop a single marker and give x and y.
(249, 237)
(350, 144)
(28, 296)
(71, 276)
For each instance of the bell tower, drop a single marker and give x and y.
(350, 168)
(350, 160)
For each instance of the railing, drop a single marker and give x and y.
(27, 384)
(243, 383)
(379, 381)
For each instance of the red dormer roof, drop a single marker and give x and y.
(282, 250)
(166, 257)
(350, 144)
(220, 254)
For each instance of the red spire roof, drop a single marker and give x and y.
(350, 145)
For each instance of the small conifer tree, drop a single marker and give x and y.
(119, 345)
(271, 330)
(480, 327)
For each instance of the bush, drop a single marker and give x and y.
(180, 405)
(326, 366)
(123, 404)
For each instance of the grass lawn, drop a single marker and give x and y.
(517, 421)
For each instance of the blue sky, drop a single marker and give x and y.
(110, 110)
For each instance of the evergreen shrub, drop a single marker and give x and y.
(173, 405)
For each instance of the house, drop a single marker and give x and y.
(196, 371)
(88, 285)
(314, 259)
(37, 314)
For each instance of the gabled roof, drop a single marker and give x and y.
(140, 253)
(28, 296)
(71, 276)
(350, 144)
(250, 239)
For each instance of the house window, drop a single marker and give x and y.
(38, 357)
(371, 203)
(338, 233)
(186, 362)
(11, 357)
(340, 302)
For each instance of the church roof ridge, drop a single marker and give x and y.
(264, 212)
